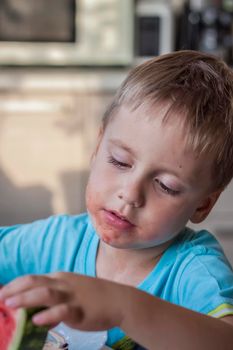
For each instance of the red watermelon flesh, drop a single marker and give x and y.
(7, 326)
(17, 332)
(11, 327)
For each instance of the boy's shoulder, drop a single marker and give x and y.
(200, 242)
(198, 253)
(205, 277)
(74, 220)
(61, 220)
(61, 226)
(66, 223)
(195, 252)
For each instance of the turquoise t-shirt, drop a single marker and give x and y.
(193, 272)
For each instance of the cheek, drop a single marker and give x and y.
(94, 199)
(185, 211)
(178, 217)
(99, 188)
(91, 198)
(166, 219)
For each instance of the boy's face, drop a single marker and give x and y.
(144, 185)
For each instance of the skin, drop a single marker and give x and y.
(140, 195)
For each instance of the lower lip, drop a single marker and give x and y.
(115, 221)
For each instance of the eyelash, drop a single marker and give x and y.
(118, 164)
(167, 189)
(163, 187)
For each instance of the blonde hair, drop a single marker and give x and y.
(198, 87)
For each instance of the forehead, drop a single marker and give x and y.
(144, 123)
(146, 111)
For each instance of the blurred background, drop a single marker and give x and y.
(61, 62)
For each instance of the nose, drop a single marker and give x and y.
(132, 194)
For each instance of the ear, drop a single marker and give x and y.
(205, 207)
(99, 138)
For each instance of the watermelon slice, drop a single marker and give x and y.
(17, 332)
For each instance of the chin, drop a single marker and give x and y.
(114, 242)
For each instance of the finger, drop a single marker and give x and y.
(59, 313)
(39, 296)
(24, 283)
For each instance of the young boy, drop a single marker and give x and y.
(163, 157)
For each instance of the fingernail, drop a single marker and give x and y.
(11, 302)
(38, 319)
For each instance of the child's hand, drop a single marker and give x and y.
(81, 302)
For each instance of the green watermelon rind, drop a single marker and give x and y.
(27, 336)
(21, 319)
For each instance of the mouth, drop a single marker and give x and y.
(122, 217)
(117, 220)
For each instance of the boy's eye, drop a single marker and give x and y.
(166, 189)
(117, 163)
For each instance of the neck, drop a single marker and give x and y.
(128, 266)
